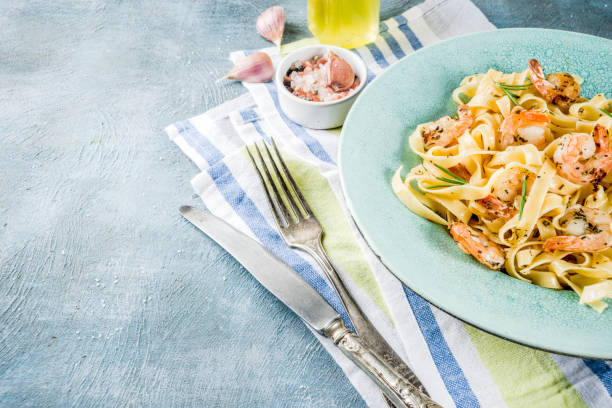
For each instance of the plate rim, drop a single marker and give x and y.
(374, 247)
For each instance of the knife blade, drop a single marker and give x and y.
(271, 272)
(291, 289)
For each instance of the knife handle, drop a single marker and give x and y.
(400, 392)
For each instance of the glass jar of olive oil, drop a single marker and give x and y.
(345, 23)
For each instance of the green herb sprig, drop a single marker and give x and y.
(452, 181)
(464, 98)
(523, 196)
(521, 87)
(507, 88)
(440, 186)
(606, 112)
(455, 180)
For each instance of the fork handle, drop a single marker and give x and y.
(363, 327)
(395, 388)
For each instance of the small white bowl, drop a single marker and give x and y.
(318, 115)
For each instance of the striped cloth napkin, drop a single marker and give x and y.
(461, 366)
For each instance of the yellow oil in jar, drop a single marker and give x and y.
(345, 23)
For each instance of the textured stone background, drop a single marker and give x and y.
(107, 297)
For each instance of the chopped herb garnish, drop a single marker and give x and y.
(606, 112)
(523, 195)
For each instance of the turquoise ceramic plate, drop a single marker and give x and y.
(422, 254)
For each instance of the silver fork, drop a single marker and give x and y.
(300, 229)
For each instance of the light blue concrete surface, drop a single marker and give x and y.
(107, 297)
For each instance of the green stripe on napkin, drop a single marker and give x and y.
(338, 239)
(525, 377)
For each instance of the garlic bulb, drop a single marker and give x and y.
(271, 24)
(340, 75)
(254, 68)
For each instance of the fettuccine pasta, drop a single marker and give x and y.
(522, 178)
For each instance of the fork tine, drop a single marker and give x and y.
(271, 201)
(274, 190)
(286, 188)
(294, 187)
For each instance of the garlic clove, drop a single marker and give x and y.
(340, 74)
(271, 24)
(254, 68)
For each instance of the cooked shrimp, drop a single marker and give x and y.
(445, 131)
(524, 126)
(559, 88)
(504, 192)
(497, 207)
(589, 231)
(582, 158)
(478, 245)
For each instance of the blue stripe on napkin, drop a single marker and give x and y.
(391, 42)
(250, 116)
(200, 144)
(602, 371)
(378, 55)
(450, 371)
(403, 27)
